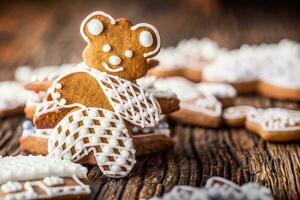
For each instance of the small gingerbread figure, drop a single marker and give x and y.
(103, 96)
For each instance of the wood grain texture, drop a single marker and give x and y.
(39, 33)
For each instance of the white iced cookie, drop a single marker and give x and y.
(275, 124)
(13, 96)
(39, 177)
(219, 188)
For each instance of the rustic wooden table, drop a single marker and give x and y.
(44, 33)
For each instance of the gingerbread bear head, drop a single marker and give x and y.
(117, 47)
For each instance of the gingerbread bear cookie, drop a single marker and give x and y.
(103, 98)
(274, 124)
(39, 177)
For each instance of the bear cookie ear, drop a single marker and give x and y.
(95, 24)
(148, 38)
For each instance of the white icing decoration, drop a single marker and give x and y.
(112, 21)
(218, 188)
(108, 68)
(146, 55)
(23, 168)
(191, 98)
(114, 60)
(275, 119)
(13, 95)
(58, 86)
(219, 90)
(138, 101)
(62, 101)
(236, 112)
(58, 139)
(276, 64)
(95, 27)
(128, 54)
(11, 187)
(146, 39)
(53, 181)
(106, 48)
(47, 107)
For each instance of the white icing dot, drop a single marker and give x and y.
(113, 142)
(121, 161)
(146, 39)
(101, 159)
(125, 154)
(63, 101)
(115, 168)
(128, 53)
(106, 48)
(114, 60)
(58, 86)
(107, 149)
(57, 95)
(115, 133)
(95, 27)
(128, 143)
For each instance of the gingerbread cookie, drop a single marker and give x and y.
(270, 70)
(12, 98)
(235, 116)
(39, 177)
(103, 98)
(274, 124)
(196, 107)
(187, 59)
(221, 189)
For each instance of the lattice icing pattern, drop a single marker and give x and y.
(218, 188)
(129, 100)
(276, 119)
(47, 107)
(95, 130)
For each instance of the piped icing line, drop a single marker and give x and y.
(112, 21)
(275, 119)
(47, 107)
(94, 130)
(145, 116)
(146, 55)
(108, 68)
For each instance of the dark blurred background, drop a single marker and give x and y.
(39, 33)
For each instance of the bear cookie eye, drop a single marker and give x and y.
(95, 27)
(106, 48)
(128, 54)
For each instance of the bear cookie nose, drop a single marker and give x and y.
(114, 60)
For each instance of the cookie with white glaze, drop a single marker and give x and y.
(274, 124)
(39, 177)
